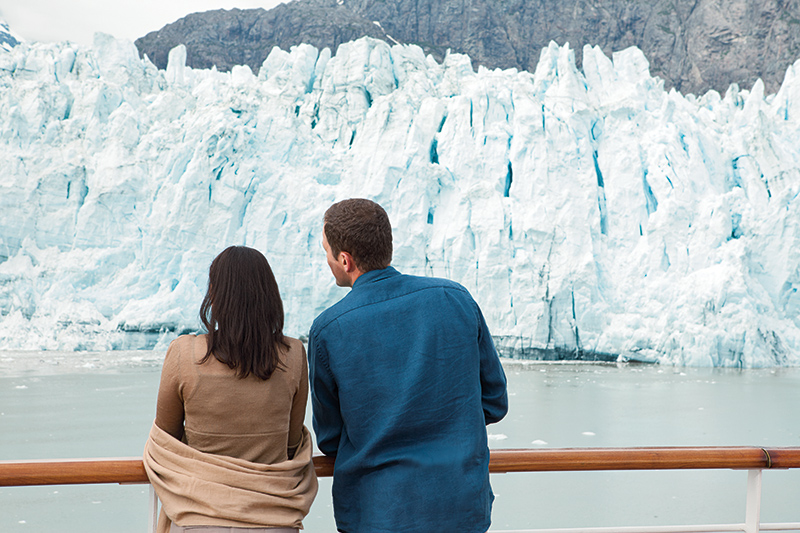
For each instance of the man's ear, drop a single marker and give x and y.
(346, 260)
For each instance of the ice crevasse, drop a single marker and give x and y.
(590, 213)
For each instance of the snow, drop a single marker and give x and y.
(587, 211)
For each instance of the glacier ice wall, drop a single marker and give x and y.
(588, 212)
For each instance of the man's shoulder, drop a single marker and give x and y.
(399, 285)
(347, 304)
(423, 284)
(426, 281)
(328, 315)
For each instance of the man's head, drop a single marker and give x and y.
(357, 237)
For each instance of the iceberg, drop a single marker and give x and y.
(590, 212)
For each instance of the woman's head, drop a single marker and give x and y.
(243, 313)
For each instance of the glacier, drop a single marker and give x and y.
(591, 212)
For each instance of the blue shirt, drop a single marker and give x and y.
(404, 378)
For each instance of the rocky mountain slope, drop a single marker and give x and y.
(694, 45)
(8, 39)
(245, 36)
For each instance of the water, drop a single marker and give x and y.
(72, 405)
(642, 405)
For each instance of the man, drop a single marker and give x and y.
(404, 378)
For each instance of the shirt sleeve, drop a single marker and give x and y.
(169, 406)
(327, 418)
(298, 413)
(494, 394)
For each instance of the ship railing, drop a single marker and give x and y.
(753, 459)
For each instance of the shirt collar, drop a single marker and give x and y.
(375, 275)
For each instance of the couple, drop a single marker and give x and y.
(404, 378)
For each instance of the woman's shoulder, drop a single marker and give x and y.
(188, 340)
(295, 354)
(292, 341)
(295, 346)
(187, 346)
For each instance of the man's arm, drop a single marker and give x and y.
(494, 395)
(326, 417)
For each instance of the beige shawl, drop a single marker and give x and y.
(197, 488)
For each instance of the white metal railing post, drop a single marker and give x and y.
(153, 522)
(752, 517)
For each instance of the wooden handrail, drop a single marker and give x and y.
(674, 458)
(131, 470)
(71, 472)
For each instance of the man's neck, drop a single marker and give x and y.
(352, 276)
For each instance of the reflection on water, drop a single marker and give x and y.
(62, 405)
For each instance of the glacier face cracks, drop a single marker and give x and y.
(589, 212)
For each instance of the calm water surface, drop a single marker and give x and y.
(102, 405)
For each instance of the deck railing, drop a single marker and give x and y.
(754, 460)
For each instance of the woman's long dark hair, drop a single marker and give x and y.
(243, 313)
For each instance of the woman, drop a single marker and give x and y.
(228, 448)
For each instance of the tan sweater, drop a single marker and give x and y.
(213, 411)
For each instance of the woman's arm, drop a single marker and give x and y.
(298, 414)
(169, 406)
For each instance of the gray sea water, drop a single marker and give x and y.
(78, 405)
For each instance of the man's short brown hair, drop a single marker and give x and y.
(361, 228)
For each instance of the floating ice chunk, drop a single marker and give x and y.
(588, 433)
(497, 436)
(539, 442)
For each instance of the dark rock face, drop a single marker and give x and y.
(245, 37)
(694, 45)
(7, 41)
